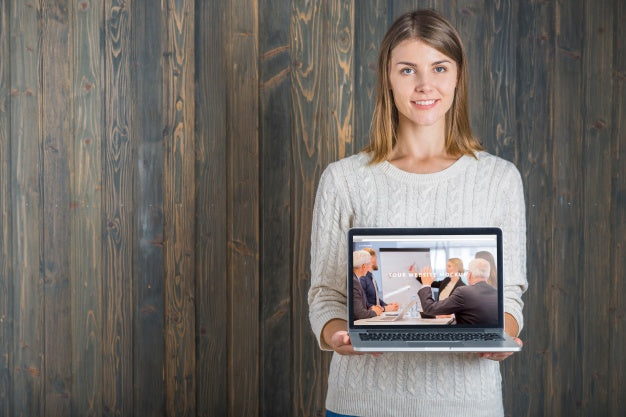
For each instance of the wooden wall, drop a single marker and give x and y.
(158, 168)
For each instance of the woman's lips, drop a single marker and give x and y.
(424, 104)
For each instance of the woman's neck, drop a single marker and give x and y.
(421, 149)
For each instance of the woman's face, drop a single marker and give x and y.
(451, 269)
(423, 83)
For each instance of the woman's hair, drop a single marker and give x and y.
(458, 264)
(370, 251)
(431, 28)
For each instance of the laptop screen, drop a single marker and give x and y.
(405, 259)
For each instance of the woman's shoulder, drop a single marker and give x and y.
(347, 169)
(350, 163)
(498, 165)
(486, 159)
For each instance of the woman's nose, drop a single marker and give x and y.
(423, 82)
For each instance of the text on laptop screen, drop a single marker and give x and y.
(403, 263)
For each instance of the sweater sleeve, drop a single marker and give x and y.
(513, 225)
(331, 220)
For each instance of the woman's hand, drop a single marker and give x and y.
(340, 343)
(336, 336)
(499, 356)
(427, 275)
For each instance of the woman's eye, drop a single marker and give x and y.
(408, 71)
(440, 69)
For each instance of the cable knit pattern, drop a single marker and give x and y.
(486, 191)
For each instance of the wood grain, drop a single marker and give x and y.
(26, 200)
(243, 200)
(309, 41)
(212, 285)
(566, 345)
(118, 208)
(530, 92)
(501, 64)
(617, 310)
(597, 63)
(179, 204)
(6, 249)
(57, 147)
(275, 210)
(473, 29)
(146, 81)
(370, 27)
(86, 267)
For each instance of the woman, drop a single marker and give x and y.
(454, 269)
(421, 151)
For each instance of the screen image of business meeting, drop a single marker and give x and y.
(401, 259)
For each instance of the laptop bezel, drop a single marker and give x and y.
(382, 231)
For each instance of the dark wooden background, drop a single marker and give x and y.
(158, 164)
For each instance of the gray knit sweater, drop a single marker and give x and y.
(486, 191)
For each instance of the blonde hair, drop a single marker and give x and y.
(370, 251)
(431, 28)
(458, 264)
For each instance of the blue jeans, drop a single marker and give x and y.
(333, 414)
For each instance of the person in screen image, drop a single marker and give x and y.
(476, 303)
(421, 147)
(493, 274)
(360, 265)
(454, 270)
(371, 288)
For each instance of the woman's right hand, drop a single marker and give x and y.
(340, 343)
(336, 336)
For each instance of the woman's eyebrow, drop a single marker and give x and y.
(445, 61)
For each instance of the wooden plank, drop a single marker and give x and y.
(26, 162)
(403, 6)
(617, 310)
(243, 200)
(57, 148)
(597, 201)
(339, 71)
(308, 94)
(275, 211)
(500, 65)
(86, 268)
(212, 286)
(340, 79)
(147, 137)
(472, 24)
(524, 374)
(370, 28)
(179, 202)
(6, 257)
(563, 382)
(117, 172)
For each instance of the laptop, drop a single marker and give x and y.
(474, 322)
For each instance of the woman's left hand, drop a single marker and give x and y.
(499, 356)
